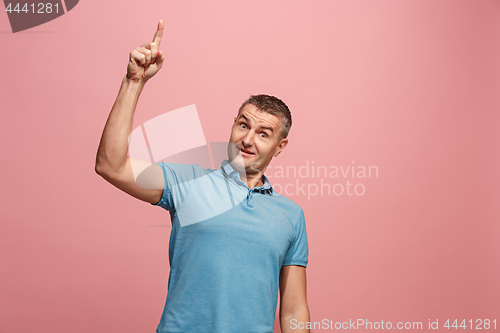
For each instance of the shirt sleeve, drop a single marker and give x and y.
(298, 252)
(179, 180)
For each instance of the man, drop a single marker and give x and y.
(234, 241)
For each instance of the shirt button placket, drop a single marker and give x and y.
(249, 197)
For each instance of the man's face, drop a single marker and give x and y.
(254, 139)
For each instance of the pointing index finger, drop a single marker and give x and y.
(159, 33)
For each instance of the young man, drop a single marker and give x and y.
(234, 241)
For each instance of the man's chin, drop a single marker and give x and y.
(237, 162)
(244, 164)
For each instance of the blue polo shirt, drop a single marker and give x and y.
(227, 246)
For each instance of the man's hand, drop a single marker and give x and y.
(146, 61)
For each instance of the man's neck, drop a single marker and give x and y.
(253, 180)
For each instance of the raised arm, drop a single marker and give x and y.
(112, 162)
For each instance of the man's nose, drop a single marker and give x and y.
(247, 140)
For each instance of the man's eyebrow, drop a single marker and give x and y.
(267, 128)
(263, 127)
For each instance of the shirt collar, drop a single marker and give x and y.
(231, 173)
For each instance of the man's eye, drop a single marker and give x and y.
(264, 135)
(243, 125)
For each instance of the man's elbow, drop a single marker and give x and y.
(97, 169)
(99, 165)
(102, 166)
(100, 169)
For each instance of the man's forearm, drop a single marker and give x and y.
(295, 322)
(112, 151)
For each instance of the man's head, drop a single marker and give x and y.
(259, 132)
(274, 106)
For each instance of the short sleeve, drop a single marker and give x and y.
(298, 252)
(179, 179)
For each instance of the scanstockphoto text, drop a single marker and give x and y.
(370, 325)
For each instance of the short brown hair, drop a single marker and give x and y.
(274, 106)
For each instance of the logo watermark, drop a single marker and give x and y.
(177, 140)
(313, 180)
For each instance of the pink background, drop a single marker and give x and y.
(411, 87)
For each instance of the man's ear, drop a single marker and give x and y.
(281, 146)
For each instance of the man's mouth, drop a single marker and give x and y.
(246, 151)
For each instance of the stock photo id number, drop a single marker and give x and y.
(29, 14)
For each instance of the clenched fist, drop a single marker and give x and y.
(146, 61)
